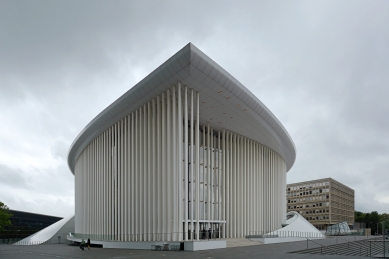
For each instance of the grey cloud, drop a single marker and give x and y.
(60, 149)
(13, 177)
(320, 66)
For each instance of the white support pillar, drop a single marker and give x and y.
(224, 175)
(125, 181)
(228, 185)
(159, 169)
(180, 162)
(132, 177)
(211, 171)
(164, 151)
(143, 171)
(208, 145)
(120, 181)
(154, 173)
(136, 174)
(149, 179)
(168, 186)
(186, 162)
(192, 168)
(198, 142)
(173, 180)
(218, 182)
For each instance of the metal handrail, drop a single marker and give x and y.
(321, 246)
(348, 242)
(374, 242)
(354, 243)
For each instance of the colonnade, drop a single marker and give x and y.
(158, 172)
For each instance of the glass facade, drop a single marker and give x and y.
(24, 224)
(340, 229)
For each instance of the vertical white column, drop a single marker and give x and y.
(127, 181)
(244, 184)
(208, 170)
(235, 184)
(227, 227)
(224, 175)
(186, 162)
(192, 166)
(167, 185)
(174, 166)
(104, 190)
(95, 228)
(239, 179)
(159, 169)
(246, 197)
(119, 180)
(164, 219)
(136, 174)
(218, 181)
(110, 185)
(140, 174)
(253, 187)
(180, 159)
(198, 142)
(144, 170)
(122, 181)
(115, 189)
(210, 173)
(154, 173)
(257, 186)
(149, 180)
(261, 179)
(205, 174)
(86, 199)
(133, 181)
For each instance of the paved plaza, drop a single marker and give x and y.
(271, 251)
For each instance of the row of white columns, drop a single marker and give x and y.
(140, 179)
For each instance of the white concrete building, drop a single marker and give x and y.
(188, 148)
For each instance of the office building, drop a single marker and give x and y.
(322, 202)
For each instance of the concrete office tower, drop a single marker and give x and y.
(188, 148)
(322, 202)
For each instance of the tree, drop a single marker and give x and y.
(359, 216)
(4, 216)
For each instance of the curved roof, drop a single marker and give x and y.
(224, 103)
(295, 223)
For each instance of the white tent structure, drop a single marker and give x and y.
(295, 228)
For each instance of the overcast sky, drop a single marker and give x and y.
(322, 67)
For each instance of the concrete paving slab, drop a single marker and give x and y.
(271, 251)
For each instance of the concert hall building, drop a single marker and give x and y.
(187, 149)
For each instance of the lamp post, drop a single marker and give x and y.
(383, 234)
(377, 228)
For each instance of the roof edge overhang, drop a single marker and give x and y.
(194, 67)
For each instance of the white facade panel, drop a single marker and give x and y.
(187, 154)
(157, 174)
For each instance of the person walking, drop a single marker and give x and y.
(82, 244)
(209, 233)
(88, 243)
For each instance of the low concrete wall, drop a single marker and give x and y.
(188, 245)
(274, 240)
(135, 245)
(125, 245)
(204, 245)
